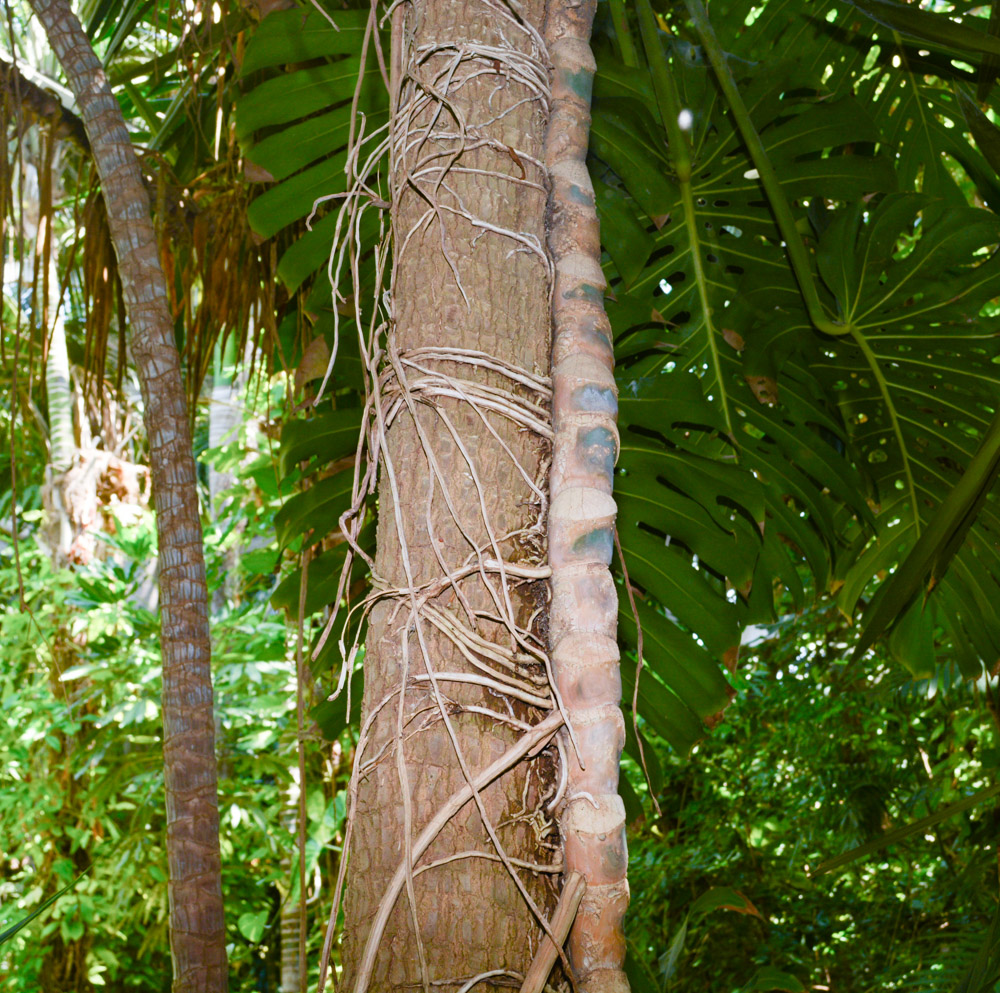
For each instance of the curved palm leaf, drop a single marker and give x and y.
(294, 126)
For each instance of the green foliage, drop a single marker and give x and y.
(764, 461)
(814, 758)
(277, 122)
(81, 788)
(752, 441)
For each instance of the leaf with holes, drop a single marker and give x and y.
(918, 381)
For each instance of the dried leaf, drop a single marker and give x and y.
(733, 338)
(765, 388)
(314, 362)
(255, 173)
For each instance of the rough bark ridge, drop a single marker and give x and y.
(197, 930)
(455, 654)
(583, 619)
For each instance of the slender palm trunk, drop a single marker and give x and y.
(196, 913)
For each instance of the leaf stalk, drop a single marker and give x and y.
(797, 255)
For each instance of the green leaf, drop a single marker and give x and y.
(9, 932)
(906, 831)
(676, 660)
(770, 978)
(252, 925)
(984, 970)
(933, 551)
(328, 436)
(664, 713)
(937, 29)
(317, 508)
(294, 198)
(985, 133)
(668, 960)
(323, 578)
(914, 296)
(299, 36)
(722, 898)
(294, 95)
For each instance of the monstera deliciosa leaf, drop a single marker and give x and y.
(919, 380)
(717, 490)
(904, 78)
(843, 450)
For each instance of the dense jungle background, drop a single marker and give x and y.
(820, 814)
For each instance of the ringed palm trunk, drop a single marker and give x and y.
(584, 613)
(197, 926)
(481, 134)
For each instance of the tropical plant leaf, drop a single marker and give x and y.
(906, 831)
(984, 132)
(9, 932)
(904, 85)
(322, 578)
(984, 970)
(936, 29)
(327, 437)
(296, 35)
(717, 488)
(321, 504)
(282, 130)
(933, 551)
(911, 278)
(770, 978)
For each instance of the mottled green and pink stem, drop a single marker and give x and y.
(583, 618)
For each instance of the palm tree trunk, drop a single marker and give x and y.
(461, 487)
(196, 912)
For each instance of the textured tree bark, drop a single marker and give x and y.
(583, 619)
(197, 926)
(470, 916)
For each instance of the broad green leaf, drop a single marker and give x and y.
(306, 154)
(252, 925)
(317, 508)
(702, 457)
(918, 388)
(322, 579)
(294, 198)
(661, 710)
(329, 436)
(983, 130)
(937, 29)
(298, 36)
(928, 560)
(674, 658)
(292, 96)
